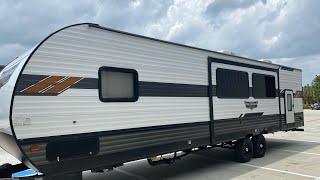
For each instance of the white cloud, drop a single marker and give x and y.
(11, 51)
(309, 65)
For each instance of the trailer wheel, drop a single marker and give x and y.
(259, 146)
(5, 170)
(243, 150)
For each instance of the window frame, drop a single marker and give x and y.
(121, 70)
(289, 96)
(275, 86)
(225, 97)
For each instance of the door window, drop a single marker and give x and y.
(289, 102)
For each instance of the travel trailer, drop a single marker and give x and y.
(91, 98)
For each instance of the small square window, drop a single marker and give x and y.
(118, 84)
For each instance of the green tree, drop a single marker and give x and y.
(316, 88)
(308, 95)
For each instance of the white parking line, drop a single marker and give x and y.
(299, 152)
(264, 168)
(297, 140)
(278, 170)
(130, 174)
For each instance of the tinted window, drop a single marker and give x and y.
(289, 102)
(232, 84)
(264, 86)
(117, 84)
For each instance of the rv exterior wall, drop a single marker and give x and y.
(69, 53)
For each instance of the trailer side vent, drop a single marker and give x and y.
(60, 150)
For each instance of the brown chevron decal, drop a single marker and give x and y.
(52, 85)
(60, 87)
(43, 84)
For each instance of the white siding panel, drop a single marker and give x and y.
(292, 80)
(54, 115)
(233, 108)
(80, 92)
(80, 51)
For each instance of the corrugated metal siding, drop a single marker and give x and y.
(292, 80)
(79, 51)
(233, 108)
(55, 115)
(298, 121)
(143, 139)
(230, 129)
(125, 142)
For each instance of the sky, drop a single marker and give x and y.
(283, 31)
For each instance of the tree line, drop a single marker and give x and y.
(311, 93)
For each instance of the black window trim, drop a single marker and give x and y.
(217, 85)
(275, 87)
(291, 100)
(123, 70)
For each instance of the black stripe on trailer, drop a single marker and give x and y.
(234, 63)
(152, 89)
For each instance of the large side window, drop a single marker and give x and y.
(264, 86)
(118, 84)
(232, 84)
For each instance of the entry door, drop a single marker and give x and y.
(289, 106)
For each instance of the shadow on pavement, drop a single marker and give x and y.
(216, 163)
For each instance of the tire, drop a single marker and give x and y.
(259, 146)
(243, 150)
(5, 171)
